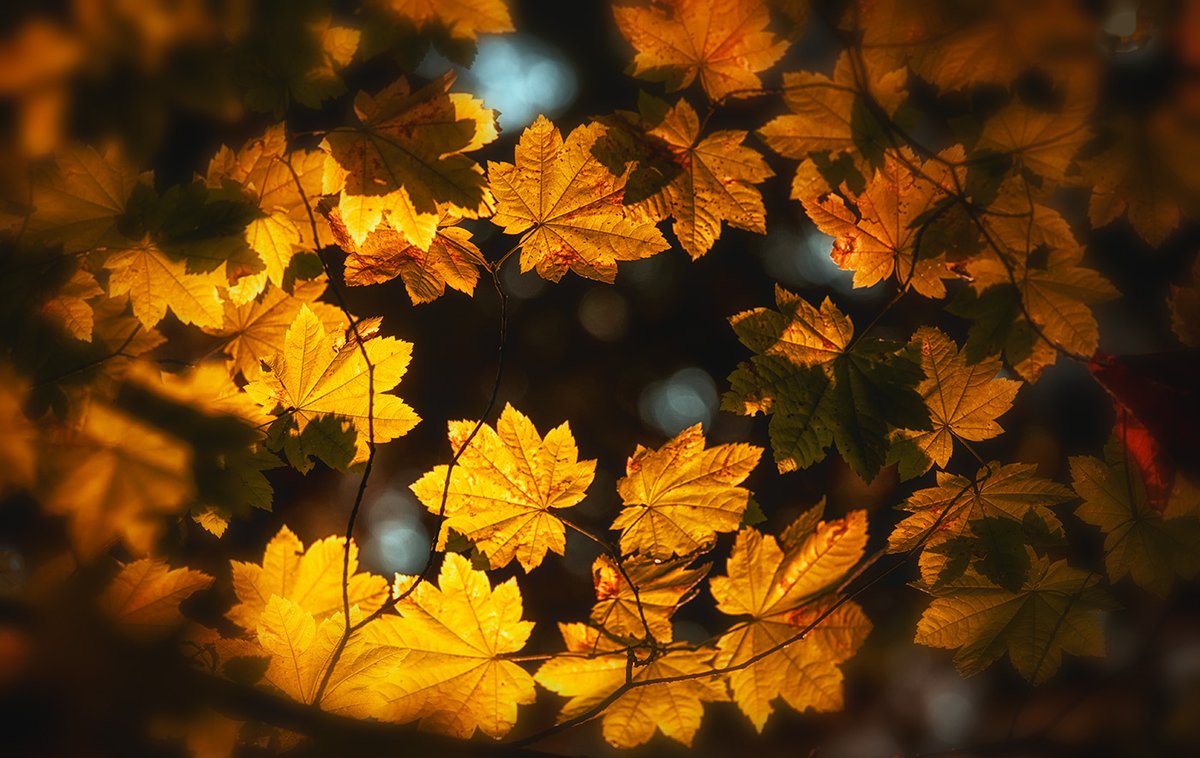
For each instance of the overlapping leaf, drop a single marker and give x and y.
(587, 678)
(821, 387)
(643, 604)
(504, 486)
(715, 182)
(310, 579)
(455, 636)
(145, 594)
(964, 401)
(1055, 611)
(796, 647)
(566, 205)
(316, 374)
(723, 43)
(1151, 547)
(679, 497)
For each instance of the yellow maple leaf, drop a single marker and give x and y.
(822, 108)
(505, 485)
(677, 498)
(253, 331)
(964, 401)
(155, 283)
(311, 578)
(301, 649)
(317, 374)
(412, 144)
(463, 19)
(70, 306)
(261, 167)
(145, 594)
(1056, 610)
(643, 604)
(118, 479)
(78, 199)
(450, 258)
(1152, 548)
(723, 43)
(941, 513)
(716, 182)
(455, 679)
(1044, 142)
(779, 585)
(587, 678)
(877, 233)
(567, 206)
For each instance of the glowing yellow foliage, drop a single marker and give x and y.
(450, 258)
(119, 479)
(154, 283)
(301, 647)
(715, 183)
(504, 486)
(252, 332)
(412, 143)
(261, 166)
(723, 43)
(317, 374)
(679, 497)
(567, 206)
(587, 677)
(145, 594)
(311, 579)
(964, 401)
(647, 600)
(463, 19)
(779, 585)
(454, 636)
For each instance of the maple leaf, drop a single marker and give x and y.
(450, 259)
(1055, 610)
(777, 584)
(252, 331)
(411, 145)
(1135, 177)
(939, 514)
(155, 283)
(964, 401)
(463, 19)
(455, 679)
(318, 374)
(643, 604)
(145, 594)
(1043, 142)
(301, 650)
(715, 184)
(262, 169)
(825, 112)
(310, 578)
(70, 307)
(78, 199)
(118, 479)
(1139, 541)
(723, 43)
(821, 387)
(505, 485)
(567, 206)
(674, 708)
(880, 233)
(679, 497)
